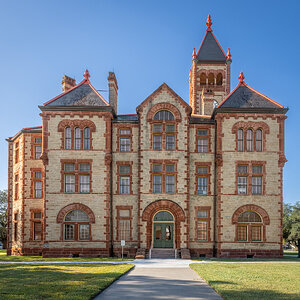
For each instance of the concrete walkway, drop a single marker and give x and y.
(159, 280)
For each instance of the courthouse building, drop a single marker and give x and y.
(179, 178)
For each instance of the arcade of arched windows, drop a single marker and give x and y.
(211, 78)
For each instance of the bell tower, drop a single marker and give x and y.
(210, 74)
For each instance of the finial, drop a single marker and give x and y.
(241, 77)
(228, 54)
(194, 53)
(208, 23)
(87, 75)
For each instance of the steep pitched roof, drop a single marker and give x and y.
(210, 49)
(83, 94)
(244, 96)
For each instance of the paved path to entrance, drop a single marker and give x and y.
(160, 279)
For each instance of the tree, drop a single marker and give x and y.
(3, 217)
(286, 219)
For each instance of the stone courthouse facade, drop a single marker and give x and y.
(199, 179)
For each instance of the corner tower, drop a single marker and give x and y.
(210, 74)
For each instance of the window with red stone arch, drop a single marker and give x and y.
(76, 220)
(202, 224)
(76, 134)
(124, 222)
(254, 141)
(163, 119)
(203, 178)
(124, 169)
(250, 223)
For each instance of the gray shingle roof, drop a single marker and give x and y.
(210, 50)
(245, 97)
(82, 95)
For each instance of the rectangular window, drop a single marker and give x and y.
(84, 183)
(37, 215)
(170, 142)
(38, 175)
(242, 169)
(202, 170)
(37, 189)
(170, 128)
(157, 127)
(125, 144)
(124, 169)
(38, 140)
(242, 233)
(257, 169)
(17, 156)
(202, 132)
(84, 167)
(157, 183)
(84, 232)
(202, 185)
(16, 187)
(69, 232)
(242, 185)
(170, 168)
(202, 229)
(15, 230)
(69, 167)
(157, 168)
(256, 233)
(202, 145)
(202, 214)
(125, 131)
(157, 142)
(124, 229)
(37, 231)
(70, 183)
(124, 184)
(37, 152)
(170, 184)
(256, 185)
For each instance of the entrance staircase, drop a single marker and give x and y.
(163, 253)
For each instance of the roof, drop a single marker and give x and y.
(244, 96)
(132, 117)
(210, 49)
(36, 129)
(83, 94)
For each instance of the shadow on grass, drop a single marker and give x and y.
(57, 281)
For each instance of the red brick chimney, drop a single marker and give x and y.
(67, 83)
(113, 90)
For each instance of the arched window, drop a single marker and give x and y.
(258, 140)
(163, 216)
(68, 138)
(87, 138)
(163, 130)
(240, 140)
(249, 227)
(219, 79)
(202, 79)
(77, 133)
(249, 140)
(76, 226)
(211, 79)
(163, 115)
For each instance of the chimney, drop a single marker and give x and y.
(67, 83)
(113, 90)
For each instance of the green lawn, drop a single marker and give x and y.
(2, 250)
(4, 258)
(263, 281)
(74, 282)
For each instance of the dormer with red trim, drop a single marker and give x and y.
(210, 74)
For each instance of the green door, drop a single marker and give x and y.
(163, 235)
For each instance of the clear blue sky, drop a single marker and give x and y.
(145, 43)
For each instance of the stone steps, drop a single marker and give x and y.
(162, 253)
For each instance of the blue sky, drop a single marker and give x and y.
(145, 43)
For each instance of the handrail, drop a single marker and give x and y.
(150, 250)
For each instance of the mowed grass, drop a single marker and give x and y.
(11, 258)
(242, 281)
(2, 250)
(74, 282)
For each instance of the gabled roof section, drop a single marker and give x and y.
(210, 49)
(164, 86)
(244, 96)
(83, 94)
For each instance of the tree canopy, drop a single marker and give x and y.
(291, 223)
(3, 216)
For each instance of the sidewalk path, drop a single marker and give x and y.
(150, 283)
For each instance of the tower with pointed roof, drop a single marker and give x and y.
(210, 74)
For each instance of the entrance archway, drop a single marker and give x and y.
(163, 205)
(163, 230)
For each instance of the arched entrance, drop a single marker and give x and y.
(163, 230)
(163, 205)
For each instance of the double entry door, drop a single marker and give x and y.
(163, 235)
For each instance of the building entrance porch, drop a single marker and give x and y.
(163, 230)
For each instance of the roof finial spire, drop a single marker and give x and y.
(228, 54)
(241, 77)
(208, 23)
(194, 53)
(87, 75)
